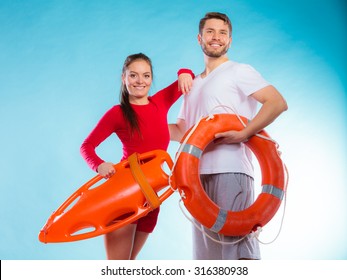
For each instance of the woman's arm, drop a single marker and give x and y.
(171, 93)
(103, 129)
(185, 80)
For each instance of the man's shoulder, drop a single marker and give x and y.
(236, 64)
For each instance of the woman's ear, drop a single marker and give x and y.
(123, 79)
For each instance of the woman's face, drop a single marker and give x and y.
(138, 79)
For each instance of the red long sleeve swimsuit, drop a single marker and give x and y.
(152, 119)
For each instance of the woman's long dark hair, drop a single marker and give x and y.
(128, 112)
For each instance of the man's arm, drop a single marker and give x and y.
(177, 130)
(273, 104)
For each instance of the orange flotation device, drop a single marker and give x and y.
(185, 177)
(128, 195)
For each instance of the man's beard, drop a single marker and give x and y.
(214, 53)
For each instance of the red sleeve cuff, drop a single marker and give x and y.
(185, 71)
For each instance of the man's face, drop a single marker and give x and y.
(215, 39)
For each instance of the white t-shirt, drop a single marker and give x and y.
(230, 85)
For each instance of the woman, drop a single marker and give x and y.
(140, 122)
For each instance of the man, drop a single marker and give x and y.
(225, 167)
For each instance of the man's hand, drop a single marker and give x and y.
(230, 137)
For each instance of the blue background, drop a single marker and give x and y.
(60, 67)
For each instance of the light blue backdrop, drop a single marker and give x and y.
(60, 66)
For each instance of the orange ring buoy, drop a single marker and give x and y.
(128, 195)
(185, 177)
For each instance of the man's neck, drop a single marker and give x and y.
(212, 63)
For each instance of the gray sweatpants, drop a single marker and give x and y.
(230, 191)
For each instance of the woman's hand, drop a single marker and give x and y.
(185, 82)
(106, 170)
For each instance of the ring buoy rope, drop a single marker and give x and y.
(185, 177)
